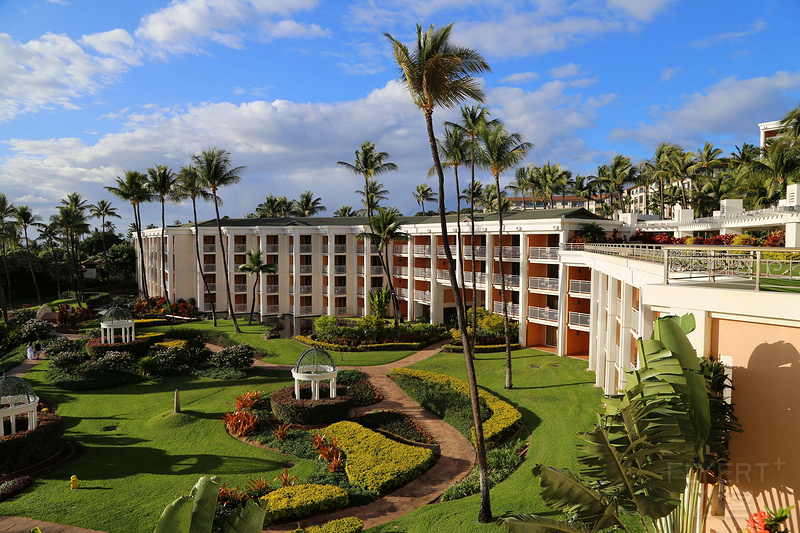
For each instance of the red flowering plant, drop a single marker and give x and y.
(768, 521)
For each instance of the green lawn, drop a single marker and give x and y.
(780, 285)
(285, 351)
(139, 456)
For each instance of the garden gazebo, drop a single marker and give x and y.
(117, 318)
(314, 365)
(17, 399)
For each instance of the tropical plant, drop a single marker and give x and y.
(215, 170)
(307, 205)
(369, 163)
(345, 211)
(161, 184)
(132, 189)
(26, 218)
(275, 207)
(618, 174)
(423, 193)
(379, 299)
(453, 151)
(373, 195)
(591, 232)
(438, 73)
(779, 161)
(255, 266)
(72, 222)
(103, 210)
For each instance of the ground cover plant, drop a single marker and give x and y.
(398, 424)
(502, 461)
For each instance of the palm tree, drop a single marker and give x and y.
(707, 159)
(707, 198)
(6, 214)
(161, 184)
(215, 170)
(790, 124)
(308, 206)
(385, 229)
(490, 201)
(345, 211)
(25, 218)
(76, 200)
(369, 163)
(255, 265)
(132, 188)
(759, 189)
(423, 194)
(73, 224)
(501, 151)
(272, 207)
(373, 194)
(583, 188)
(744, 155)
(103, 210)
(50, 234)
(439, 73)
(779, 161)
(453, 151)
(680, 168)
(521, 184)
(618, 174)
(191, 187)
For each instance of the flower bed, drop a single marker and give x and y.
(375, 462)
(23, 449)
(504, 420)
(137, 347)
(152, 336)
(299, 501)
(307, 411)
(398, 424)
(351, 524)
(147, 322)
(13, 487)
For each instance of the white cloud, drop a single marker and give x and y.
(59, 2)
(667, 73)
(521, 77)
(731, 37)
(643, 10)
(570, 70)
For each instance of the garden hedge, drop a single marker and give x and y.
(152, 336)
(389, 346)
(138, 347)
(485, 348)
(26, 448)
(299, 501)
(307, 411)
(351, 524)
(505, 418)
(147, 322)
(377, 463)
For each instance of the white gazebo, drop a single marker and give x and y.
(314, 365)
(16, 399)
(117, 318)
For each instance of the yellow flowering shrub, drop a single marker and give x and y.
(170, 344)
(505, 417)
(298, 501)
(351, 524)
(374, 462)
(152, 336)
(146, 322)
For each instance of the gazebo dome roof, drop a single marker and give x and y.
(117, 315)
(315, 360)
(16, 391)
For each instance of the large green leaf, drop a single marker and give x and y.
(177, 516)
(528, 523)
(564, 491)
(205, 494)
(247, 519)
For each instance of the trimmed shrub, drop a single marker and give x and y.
(138, 347)
(152, 336)
(13, 487)
(169, 344)
(97, 299)
(34, 330)
(23, 449)
(362, 393)
(219, 338)
(76, 371)
(299, 501)
(167, 362)
(489, 348)
(375, 462)
(504, 420)
(348, 377)
(350, 524)
(501, 462)
(389, 346)
(236, 357)
(397, 423)
(220, 372)
(307, 411)
(147, 322)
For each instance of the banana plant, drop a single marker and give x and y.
(636, 459)
(195, 513)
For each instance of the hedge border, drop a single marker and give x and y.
(326, 410)
(27, 448)
(138, 347)
(299, 501)
(389, 346)
(485, 348)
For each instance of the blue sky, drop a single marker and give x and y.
(92, 88)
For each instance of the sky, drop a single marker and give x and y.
(91, 88)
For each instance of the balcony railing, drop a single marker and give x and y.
(513, 309)
(304, 269)
(239, 248)
(400, 249)
(339, 248)
(239, 308)
(240, 287)
(272, 289)
(340, 290)
(424, 296)
(400, 271)
(480, 277)
(509, 252)
(443, 274)
(325, 290)
(271, 248)
(340, 311)
(324, 270)
(304, 309)
(305, 248)
(324, 248)
(304, 289)
(543, 253)
(340, 269)
(360, 270)
(422, 249)
(212, 287)
(207, 306)
(210, 248)
(372, 249)
(579, 319)
(376, 270)
(402, 293)
(273, 309)
(543, 284)
(512, 280)
(480, 251)
(360, 291)
(543, 313)
(291, 289)
(209, 267)
(441, 252)
(424, 273)
(635, 319)
(580, 286)
(360, 311)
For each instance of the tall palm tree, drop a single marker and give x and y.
(308, 206)
(707, 159)
(369, 163)
(214, 167)
(161, 184)
(521, 184)
(680, 168)
(272, 207)
(6, 229)
(715, 188)
(132, 189)
(190, 186)
(50, 234)
(744, 155)
(583, 188)
(790, 124)
(439, 73)
(618, 174)
(454, 150)
(345, 211)
(490, 201)
(374, 193)
(501, 151)
(73, 224)
(384, 230)
(76, 200)
(255, 265)
(26, 218)
(103, 210)
(780, 161)
(422, 194)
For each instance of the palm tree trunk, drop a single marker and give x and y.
(471, 338)
(8, 276)
(253, 303)
(4, 304)
(661, 197)
(485, 512)
(459, 242)
(103, 240)
(200, 264)
(58, 271)
(81, 297)
(509, 383)
(395, 303)
(143, 273)
(225, 266)
(30, 265)
(163, 259)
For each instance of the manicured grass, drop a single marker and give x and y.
(780, 285)
(140, 456)
(285, 351)
(556, 402)
(13, 357)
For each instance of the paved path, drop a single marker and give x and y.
(16, 524)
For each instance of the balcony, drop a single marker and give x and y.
(212, 287)
(207, 307)
(372, 249)
(338, 291)
(543, 253)
(543, 284)
(512, 280)
(424, 296)
(402, 293)
(376, 270)
(339, 311)
(635, 319)
(209, 267)
(400, 249)
(271, 248)
(424, 273)
(339, 248)
(400, 271)
(579, 320)
(443, 275)
(324, 248)
(304, 269)
(273, 309)
(304, 310)
(509, 252)
(305, 248)
(240, 287)
(480, 277)
(360, 270)
(579, 286)
(423, 250)
(543, 314)
(441, 252)
(340, 269)
(239, 248)
(291, 289)
(210, 248)
(480, 251)
(360, 311)
(272, 289)
(324, 270)
(325, 290)
(513, 309)
(304, 289)
(239, 308)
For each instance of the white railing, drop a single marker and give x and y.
(424, 296)
(543, 253)
(304, 289)
(304, 309)
(239, 248)
(239, 308)
(360, 311)
(206, 307)
(424, 273)
(441, 252)
(209, 267)
(580, 286)
(305, 248)
(272, 289)
(543, 284)
(512, 280)
(360, 291)
(400, 271)
(340, 311)
(372, 249)
(339, 248)
(579, 319)
(210, 248)
(324, 270)
(273, 309)
(304, 269)
(513, 309)
(543, 313)
(324, 290)
(340, 290)
(339, 269)
(324, 248)
(635, 319)
(240, 287)
(212, 287)
(509, 252)
(360, 270)
(480, 277)
(402, 293)
(400, 249)
(480, 251)
(376, 270)
(271, 248)
(291, 289)
(443, 274)
(422, 249)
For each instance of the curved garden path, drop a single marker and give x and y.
(456, 461)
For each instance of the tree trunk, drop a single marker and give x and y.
(253, 303)
(509, 383)
(472, 237)
(485, 512)
(143, 273)
(103, 240)
(459, 242)
(225, 266)
(163, 259)
(58, 271)
(30, 265)
(8, 276)
(393, 296)
(200, 265)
